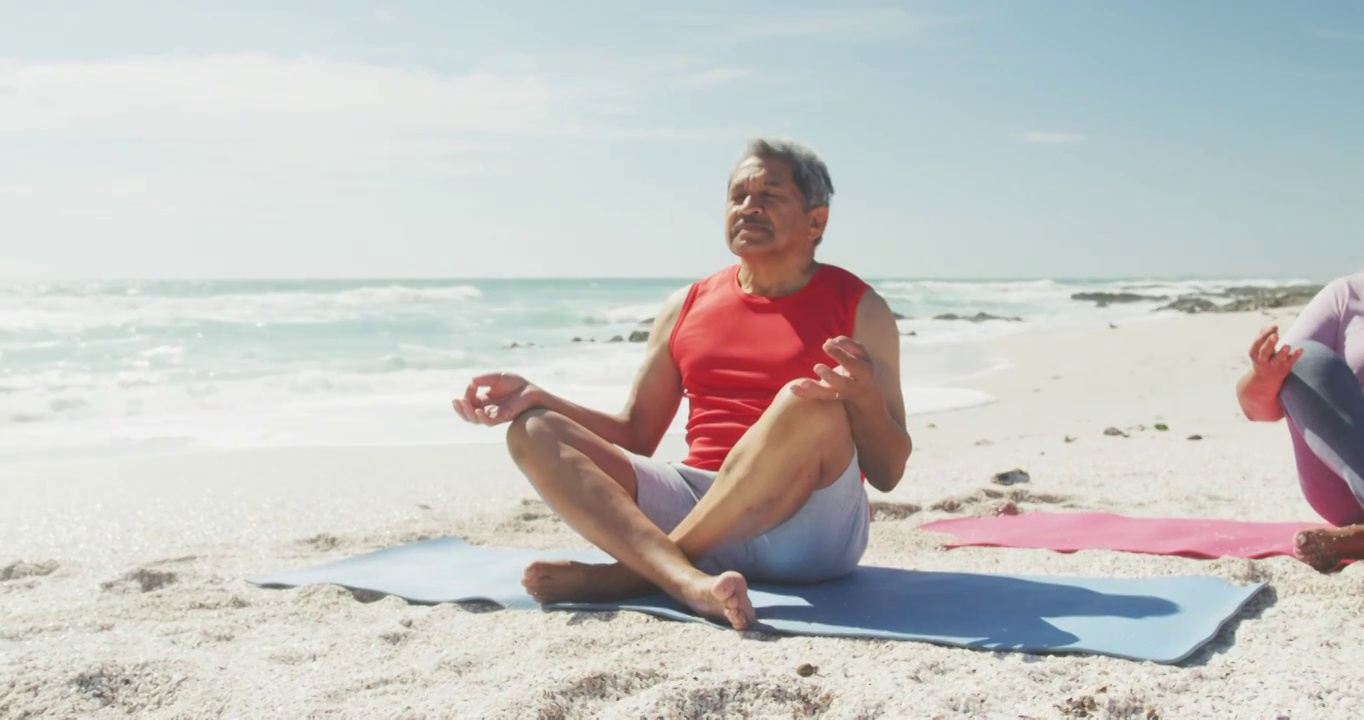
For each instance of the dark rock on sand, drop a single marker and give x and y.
(1114, 432)
(639, 335)
(1011, 477)
(20, 569)
(978, 317)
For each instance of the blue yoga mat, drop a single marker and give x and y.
(1160, 619)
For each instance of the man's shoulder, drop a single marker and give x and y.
(673, 305)
(719, 276)
(706, 285)
(845, 276)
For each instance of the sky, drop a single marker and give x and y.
(1047, 138)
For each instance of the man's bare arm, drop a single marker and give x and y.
(878, 423)
(654, 398)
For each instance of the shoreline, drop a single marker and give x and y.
(86, 370)
(972, 389)
(932, 375)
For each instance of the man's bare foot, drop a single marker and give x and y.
(1325, 548)
(554, 581)
(722, 597)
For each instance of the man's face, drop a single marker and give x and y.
(766, 212)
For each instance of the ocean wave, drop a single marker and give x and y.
(418, 357)
(1177, 288)
(81, 313)
(85, 396)
(626, 314)
(377, 362)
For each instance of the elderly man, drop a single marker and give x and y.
(791, 371)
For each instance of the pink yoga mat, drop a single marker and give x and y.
(1068, 532)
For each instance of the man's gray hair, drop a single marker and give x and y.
(809, 173)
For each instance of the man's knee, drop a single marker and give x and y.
(828, 412)
(533, 426)
(819, 424)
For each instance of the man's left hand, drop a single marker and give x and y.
(854, 380)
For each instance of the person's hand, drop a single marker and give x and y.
(854, 379)
(496, 398)
(1271, 365)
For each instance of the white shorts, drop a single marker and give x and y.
(823, 540)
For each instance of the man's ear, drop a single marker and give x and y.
(819, 219)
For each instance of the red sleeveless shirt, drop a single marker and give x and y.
(736, 350)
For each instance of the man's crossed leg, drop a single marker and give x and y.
(797, 448)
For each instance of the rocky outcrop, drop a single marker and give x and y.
(1266, 298)
(635, 336)
(1245, 299)
(1191, 304)
(1104, 299)
(978, 317)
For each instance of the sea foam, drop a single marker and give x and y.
(119, 365)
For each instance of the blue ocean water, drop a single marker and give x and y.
(120, 364)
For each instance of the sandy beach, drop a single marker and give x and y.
(124, 592)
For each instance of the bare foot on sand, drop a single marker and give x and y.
(722, 598)
(1324, 548)
(553, 581)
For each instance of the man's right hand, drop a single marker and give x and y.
(1272, 365)
(496, 398)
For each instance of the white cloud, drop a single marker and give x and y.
(842, 24)
(312, 100)
(171, 136)
(716, 76)
(176, 137)
(256, 96)
(1048, 138)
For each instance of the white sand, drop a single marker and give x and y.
(121, 580)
